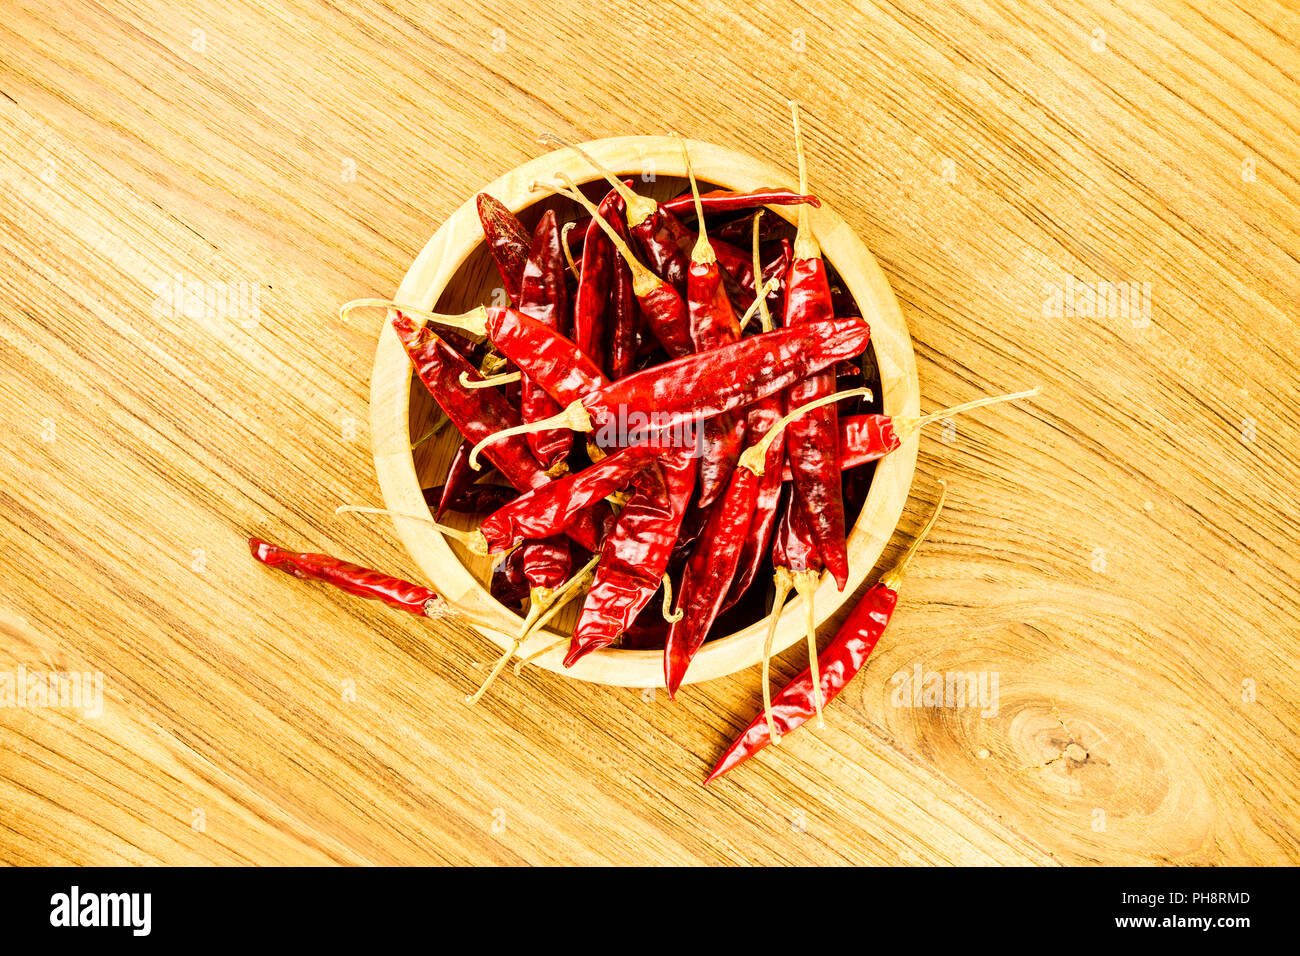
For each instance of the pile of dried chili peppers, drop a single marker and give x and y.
(673, 410)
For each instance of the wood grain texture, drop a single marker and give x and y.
(1121, 556)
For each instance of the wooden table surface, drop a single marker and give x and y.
(1118, 554)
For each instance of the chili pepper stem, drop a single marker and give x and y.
(474, 321)
(894, 576)
(643, 280)
(805, 585)
(805, 243)
(568, 253)
(574, 417)
(519, 665)
(703, 252)
(674, 616)
(639, 208)
(905, 427)
(492, 381)
(760, 301)
(755, 456)
(782, 583)
(474, 540)
(765, 314)
(544, 599)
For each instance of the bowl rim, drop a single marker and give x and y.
(442, 258)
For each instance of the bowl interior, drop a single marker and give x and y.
(455, 272)
(477, 282)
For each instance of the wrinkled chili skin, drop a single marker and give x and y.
(459, 477)
(346, 576)
(546, 357)
(714, 323)
(508, 585)
(591, 307)
(474, 500)
(839, 663)
(793, 547)
(548, 510)
(668, 319)
(507, 240)
(635, 553)
(762, 415)
(812, 441)
(478, 413)
(708, 575)
(866, 438)
(725, 200)
(710, 383)
(658, 237)
(544, 295)
(546, 563)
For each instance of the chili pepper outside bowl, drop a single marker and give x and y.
(454, 272)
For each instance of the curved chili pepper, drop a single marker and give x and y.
(839, 663)
(591, 307)
(352, 578)
(713, 323)
(708, 574)
(731, 376)
(459, 477)
(545, 563)
(474, 500)
(546, 511)
(812, 443)
(508, 585)
(480, 413)
(545, 356)
(793, 547)
(710, 383)
(725, 200)
(662, 305)
(635, 553)
(761, 416)
(543, 295)
(507, 240)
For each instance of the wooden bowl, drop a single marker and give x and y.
(454, 272)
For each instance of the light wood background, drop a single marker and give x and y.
(1121, 553)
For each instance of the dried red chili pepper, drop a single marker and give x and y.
(507, 240)
(841, 660)
(635, 553)
(352, 578)
(656, 232)
(661, 304)
(713, 323)
(710, 383)
(708, 573)
(868, 438)
(761, 416)
(459, 477)
(725, 200)
(545, 511)
(474, 500)
(507, 584)
(543, 295)
(591, 306)
(480, 413)
(812, 444)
